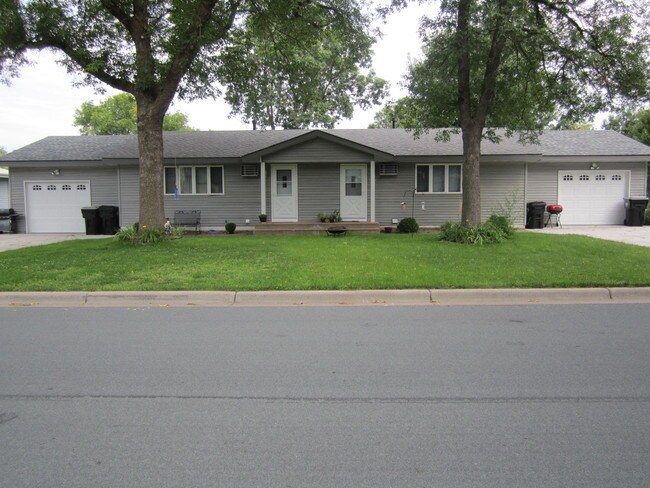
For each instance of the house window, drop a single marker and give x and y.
(81, 187)
(438, 178)
(584, 178)
(36, 187)
(194, 180)
(616, 177)
(600, 177)
(51, 187)
(66, 187)
(568, 178)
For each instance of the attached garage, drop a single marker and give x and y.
(55, 206)
(593, 197)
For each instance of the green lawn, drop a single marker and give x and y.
(244, 262)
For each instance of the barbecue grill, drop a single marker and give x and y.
(554, 209)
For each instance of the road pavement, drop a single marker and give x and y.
(548, 396)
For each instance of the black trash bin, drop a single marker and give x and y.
(110, 218)
(635, 211)
(93, 220)
(8, 220)
(535, 215)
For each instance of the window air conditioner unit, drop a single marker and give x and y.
(250, 170)
(388, 170)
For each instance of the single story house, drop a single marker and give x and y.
(373, 175)
(4, 189)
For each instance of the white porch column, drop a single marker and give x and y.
(372, 191)
(263, 186)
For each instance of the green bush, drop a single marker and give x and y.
(647, 216)
(488, 233)
(408, 225)
(152, 235)
(230, 227)
(127, 234)
(503, 223)
(144, 235)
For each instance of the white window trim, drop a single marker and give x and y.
(209, 182)
(446, 181)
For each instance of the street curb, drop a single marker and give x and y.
(326, 298)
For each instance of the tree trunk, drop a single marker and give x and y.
(150, 144)
(471, 212)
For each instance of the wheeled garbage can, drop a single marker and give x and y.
(110, 218)
(635, 211)
(93, 220)
(535, 215)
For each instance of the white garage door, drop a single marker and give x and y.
(55, 206)
(593, 197)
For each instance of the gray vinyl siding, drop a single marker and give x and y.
(542, 178)
(129, 195)
(319, 190)
(393, 190)
(4, 193)
(240, 201)
(103, 185)
(502, 190)
(318, 151)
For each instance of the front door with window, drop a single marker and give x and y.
(354, 195)
(284, 193)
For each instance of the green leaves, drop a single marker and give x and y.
(300, 64)
(117, 115)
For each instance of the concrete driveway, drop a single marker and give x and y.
(9, 242)
(639, 236)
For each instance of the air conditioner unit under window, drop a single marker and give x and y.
(387, 169)
(250, 170)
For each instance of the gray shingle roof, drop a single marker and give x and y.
(398, 142)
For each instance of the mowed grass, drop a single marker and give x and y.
(245, 262)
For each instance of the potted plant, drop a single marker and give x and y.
(262, 217)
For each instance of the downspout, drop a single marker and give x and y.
(263, 186)
(372, 191)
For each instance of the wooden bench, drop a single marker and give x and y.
(188, 218)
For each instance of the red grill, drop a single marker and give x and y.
(554, 208)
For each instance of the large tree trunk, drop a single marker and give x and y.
(150, 144)
(471, 212)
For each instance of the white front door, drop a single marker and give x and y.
(593, 197)
(354, 193)
(284, 193)
(55, 205)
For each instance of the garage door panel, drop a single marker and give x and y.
(593, 197)
(56, 206)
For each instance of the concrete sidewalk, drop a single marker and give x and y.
(326, 298)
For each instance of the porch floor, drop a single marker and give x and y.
(314, 227)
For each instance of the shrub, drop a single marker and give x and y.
(230, 227)
(488, 233)
(127, 234)
(503, 223)
(647, 217)
(144, 235)
(408, 225)
(152, 235)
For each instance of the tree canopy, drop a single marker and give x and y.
(158, 50)
(277, 76)
(520, 64)
(633, 124)
(118, 115)
(402, 113)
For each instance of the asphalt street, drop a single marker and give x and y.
(495, 396)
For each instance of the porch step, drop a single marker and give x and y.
(314, 227)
